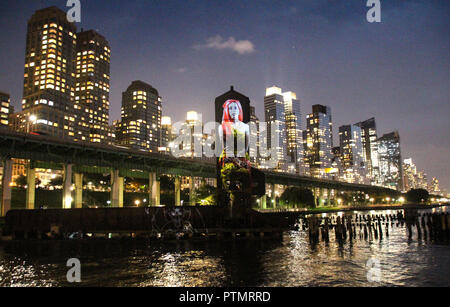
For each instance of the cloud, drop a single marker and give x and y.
(181, 70)
(218, 43)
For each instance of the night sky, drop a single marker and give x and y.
(325, 51)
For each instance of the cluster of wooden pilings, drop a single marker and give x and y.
(152, 223)
(432, 226)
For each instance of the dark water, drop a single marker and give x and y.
(288, 262)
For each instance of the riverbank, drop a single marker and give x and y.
(376, 207)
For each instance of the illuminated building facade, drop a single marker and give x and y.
(336, 164)
(166, 135)
(140, 125)
(294, 141)
(351, 154)
(422, 180)
(48, 104)
(434, 187)
(5, 109)
(370, 149)
(254, 134)
(275, 116)
(92, 83)
(318, 141)
(412, 177)
(409, 174)
(390, 159)
(193, 128)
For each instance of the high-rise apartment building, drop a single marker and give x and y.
(422, 180)
(284, 111)
(294, 135)
(275, 117)
(194, 129)
(66, 81)
(409, 174)
(140, 125)
(412, 177)
(336, 172)
(352, 154)
(166, 135)
(370, 148)
(5, 109)
(49, 78)
(434, 187)
(92, 83)
(318, 141)
(190, 141)
(390, 161)
(254, 135)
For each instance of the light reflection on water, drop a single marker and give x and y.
(290, 262)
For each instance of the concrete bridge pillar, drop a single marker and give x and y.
(191, 191)
(116, 189)
(321, 198)
(6, 186)
(177, 191)
(78, 190)
(328, 203)
(154, 190)
(67, 187)
(333, 196)
(315, 194)
(273, 197)
(263, 202)
(31, 187)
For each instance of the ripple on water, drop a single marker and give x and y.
(290, 262)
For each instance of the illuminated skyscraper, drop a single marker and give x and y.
(370, 148)
(352, 154)
(194, 129)
(254, 134)
(391, 168)
(422, 180)
(412, 177)
(166, 135)
(434, 187)
(4, 109)
(294, 141)
(275, 116)
(337, 172)
(409, 174)
(92, 83)
(49, 79)
(318, 141)
(140, 126)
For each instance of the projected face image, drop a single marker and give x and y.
(232, 124)
(233, 108)
(232, 112)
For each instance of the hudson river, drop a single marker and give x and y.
(253, 262)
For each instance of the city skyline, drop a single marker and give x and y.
(418, 141)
